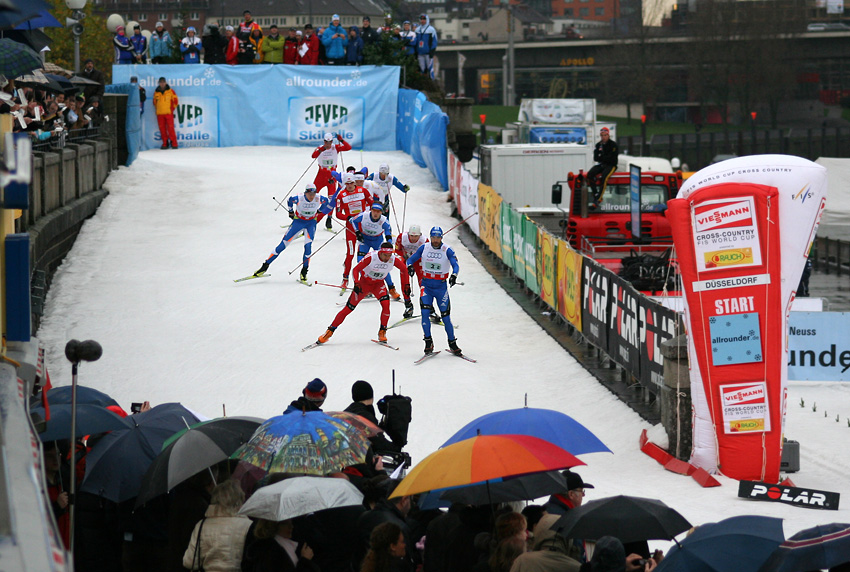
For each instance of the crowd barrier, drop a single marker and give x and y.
(421, 132)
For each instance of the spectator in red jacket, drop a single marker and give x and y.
(290, 48)
(309, 56)
(231, 52)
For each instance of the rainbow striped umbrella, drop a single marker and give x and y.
(484, 458)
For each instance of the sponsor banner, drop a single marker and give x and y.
(806, 498)
(656, 324)
(596, 303)
(490, 218)
(455, 180)
(547, 260)
(745, 407)
(529, 233)
(726, 234)
(507, 236)
(819, 346)
(557, 111)
(358, 102)
(569, 277)
(749, 222)
(468, 205)
(519, 244)
(623, 327)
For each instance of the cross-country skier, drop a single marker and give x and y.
(370, 276)
(351, 201)
(326, 154)
(385, 180)
(408, 243)
(305, 210)
(369, 229)
(437, 258)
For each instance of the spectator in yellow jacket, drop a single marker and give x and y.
(165, 102)
(256, 40)
(273, 47)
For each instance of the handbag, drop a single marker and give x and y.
(197, 556)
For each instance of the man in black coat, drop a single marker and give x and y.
(94, 75)
(606, 154)
(368, 33)
(214, 45)
(363, 399)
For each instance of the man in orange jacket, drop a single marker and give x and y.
(165, 102)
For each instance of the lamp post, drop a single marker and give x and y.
(76, 25)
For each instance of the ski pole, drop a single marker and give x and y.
(315, 253)
(280, 203)
(461, 222)
(392, 208)
(337, 286)
(403, 214)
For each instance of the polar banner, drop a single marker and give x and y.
(226, 106)
(596, 304)
(623, 335)
(742, 230)
(657, 325)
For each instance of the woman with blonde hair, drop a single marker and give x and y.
(275, 551)
(218, 539)
(386, 550)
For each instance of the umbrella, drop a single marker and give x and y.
(17, 59)
(79, 80)
(63, 82)
(50, 67)
(363, 424)
(42, 19)
(38, 79)
(308, 443)
(546, 424)
(192, 450)
(629, 519)
(85, 395)
(35, 39)
(91, 420)
(116, 464)
(740, 543)
(524, 487)
(299, 496)
(484, 458)
(817, 548)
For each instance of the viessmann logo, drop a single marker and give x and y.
(737, 212)
(744, 395)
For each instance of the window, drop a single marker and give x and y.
(466, 24)
(599, 11)
(143, 17)
(568, 12)
(583, 12)
(128, 17)
(162, 17)
(194, 16)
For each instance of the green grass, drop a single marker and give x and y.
(500, 115)
(845, 113)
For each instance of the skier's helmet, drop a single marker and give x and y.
(329, 137)
(310, 188)
(384, 169)
(437, 231)
(415, 230)
(348, 178)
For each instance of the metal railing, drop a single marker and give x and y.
(62, 138)
(831, 256)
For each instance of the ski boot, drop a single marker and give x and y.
(408, 310)
(262, 269)
(435, 318)
(453, 347)
(304, 275)
(382, 334)
(344, 285)
(329, 223)
(429, 345)
(393, 294)
(327, 335)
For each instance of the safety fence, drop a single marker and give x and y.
(608, 312)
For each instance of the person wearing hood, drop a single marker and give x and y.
(273, 47)
(256, 41)
(191, 46)
(425, 45)
(231, 52)
(550, 552)
(367, 33)
(354, 50)
(214, 45)
(409, 38)
(140, 45)
(335, 40)
(123, 48)
(290, 48)
(160, 44)
(312, 398)
(165, 102)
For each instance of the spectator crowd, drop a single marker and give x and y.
(248, 44)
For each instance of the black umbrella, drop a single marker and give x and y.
(630, 519)
(38, 79)
(817, 548)
(63, 82)
(116, 464)
(525, 487)
(198, 448)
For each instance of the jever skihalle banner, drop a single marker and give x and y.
(742, 230)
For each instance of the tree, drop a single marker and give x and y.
(95, 43)
(389, 51)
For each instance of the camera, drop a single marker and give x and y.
(135, 408)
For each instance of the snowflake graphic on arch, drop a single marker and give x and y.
(729, 358)
(728, 324)
(752, 333)
(713, 320)
(749, 353)
(714, 350)
(758, 357)
(209, 73)
(355, 74)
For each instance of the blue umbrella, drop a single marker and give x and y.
(740, 543)
(21, 11)
(817, 548)
(85, 396)
(116, 464)
(43, 19)
(553, 426)
(91, 420)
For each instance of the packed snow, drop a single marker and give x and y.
(151, 278)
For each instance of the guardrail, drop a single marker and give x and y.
(831, 256)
